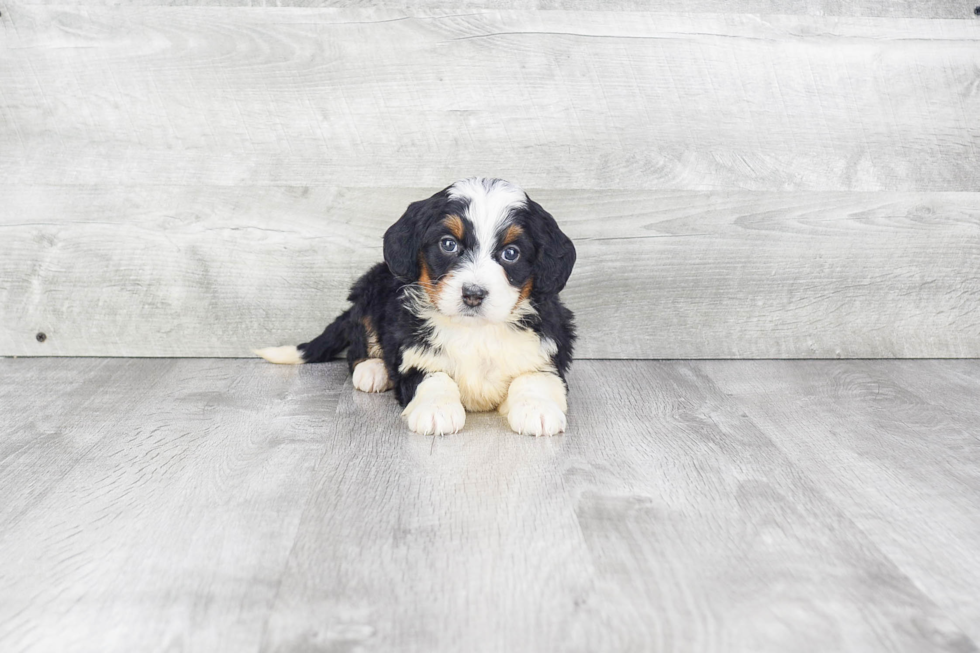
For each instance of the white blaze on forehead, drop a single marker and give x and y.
(490, 204)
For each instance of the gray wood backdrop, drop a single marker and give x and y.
(749, 178)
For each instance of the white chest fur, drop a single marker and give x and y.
(482, 357)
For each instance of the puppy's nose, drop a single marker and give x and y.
(473, 295)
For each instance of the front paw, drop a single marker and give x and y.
(437, 415)
(536, 417)
(371, 376)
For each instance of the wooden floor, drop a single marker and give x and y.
(229, 505)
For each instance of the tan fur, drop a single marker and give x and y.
(455, 225)
(526, 290)
(481, 357)
(513, 233)
(373, 344)
(433, 291)
(425, 280)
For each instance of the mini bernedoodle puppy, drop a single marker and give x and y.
(463, 314)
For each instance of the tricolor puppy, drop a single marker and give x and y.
(463, 314)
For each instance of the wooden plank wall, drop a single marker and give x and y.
(750, 179)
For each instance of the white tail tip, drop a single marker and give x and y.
(285, 355)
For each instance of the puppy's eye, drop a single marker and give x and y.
(510, 254)
(449, 245)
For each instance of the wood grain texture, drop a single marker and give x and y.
(47, 425)
(212, 271)
(619, 537)
(196, 181)
(227, 506)
(412, 543)
(550, 99)
(153, 501)
(896, 445)
(672, 483)
(891, 8)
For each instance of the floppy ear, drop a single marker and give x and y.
(403, 240)
(555, 251)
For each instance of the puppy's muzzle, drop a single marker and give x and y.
(473, 295)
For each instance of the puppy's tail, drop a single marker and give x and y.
(322, 348)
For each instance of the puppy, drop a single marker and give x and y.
(463, 314)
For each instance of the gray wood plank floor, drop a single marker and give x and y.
(228, 505)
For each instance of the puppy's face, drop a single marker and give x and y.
(478, 249)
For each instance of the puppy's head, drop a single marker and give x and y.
(479, 249)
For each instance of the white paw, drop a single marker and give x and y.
(435, 415)
(536, 417)
(371, 376)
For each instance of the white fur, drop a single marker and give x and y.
(436, 409)
(371, 376)
(481, 357)
(285, 355)
(483, 271)
(491, 203)
(536, 404)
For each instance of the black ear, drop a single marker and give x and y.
(403, 240)
(555, 251)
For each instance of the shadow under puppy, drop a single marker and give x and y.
(463, 314)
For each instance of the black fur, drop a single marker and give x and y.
(555, 253)
(555, 321)
(379, 297)
(404, 240)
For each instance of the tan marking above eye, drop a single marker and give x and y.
(455, 225)
(513, 233)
